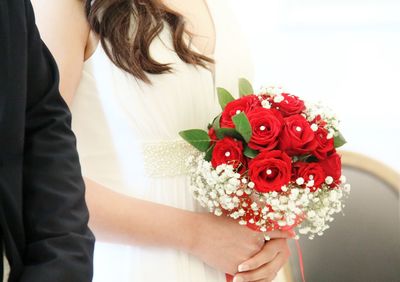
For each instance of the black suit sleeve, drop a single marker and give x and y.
(59, 242)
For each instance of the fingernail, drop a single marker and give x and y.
(243, 267)
(238, 279)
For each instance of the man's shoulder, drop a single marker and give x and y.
(12, 12)
(13, 26)
(13, 50)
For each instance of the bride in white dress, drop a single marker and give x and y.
(147, 225)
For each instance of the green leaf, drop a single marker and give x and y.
(197, 138)
(216, 122)
(339, 140)
(209, 152)
(245, 87)
(222, 132)
(250, 153)
(224, 97)
(307, 158)
(242, 125)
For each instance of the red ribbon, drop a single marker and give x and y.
(299, 253)
(229, 278)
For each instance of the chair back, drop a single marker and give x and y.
(364, 244)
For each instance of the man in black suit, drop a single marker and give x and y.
(43, 215)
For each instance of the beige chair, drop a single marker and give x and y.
(364, 244)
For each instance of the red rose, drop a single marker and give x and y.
(270, 170)
(244, 104)
(212, 135)
(312, 173)
(324, 145)
(278, 115)
(332, 166)
(228, 151)
(291, 105)
(319, 121)
(297, 137)
(266, 128)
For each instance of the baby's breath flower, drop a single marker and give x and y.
(300, 181)
(221, 190)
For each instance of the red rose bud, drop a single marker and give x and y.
(290, 105)
(319, 121)
(270, 170)
(333, 167)
(244, 104)
(228, 151)
(266, 128)
(325, 146)
(297, 137)
(312, 173)
(212, 135)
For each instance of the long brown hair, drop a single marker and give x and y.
(112, 21)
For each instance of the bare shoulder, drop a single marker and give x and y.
(62, 18)
(65, 30)
(199, 22)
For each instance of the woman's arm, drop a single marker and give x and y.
(65, 31)
(122, 219)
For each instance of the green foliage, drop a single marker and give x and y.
(245, 87)
(242, 125)
(222, 132)
(209, 152)
(224, 97)
(339, 140)
(197, 138)
(250, 153)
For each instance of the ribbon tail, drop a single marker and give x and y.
(300, 255)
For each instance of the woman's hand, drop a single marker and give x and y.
(264, 266)
(223, 244)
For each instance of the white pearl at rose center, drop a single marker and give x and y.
(262, 128)
(238, 112)
(227, 154)
(269, 172)
(298, 128)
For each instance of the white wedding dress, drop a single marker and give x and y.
(127, 133)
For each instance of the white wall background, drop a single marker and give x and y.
(343, 52)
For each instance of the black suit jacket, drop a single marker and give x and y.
(43, 215)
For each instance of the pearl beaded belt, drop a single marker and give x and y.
(166, 158)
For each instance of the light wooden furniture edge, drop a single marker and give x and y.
(372, 166)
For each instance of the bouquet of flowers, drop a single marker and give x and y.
(269, 161)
